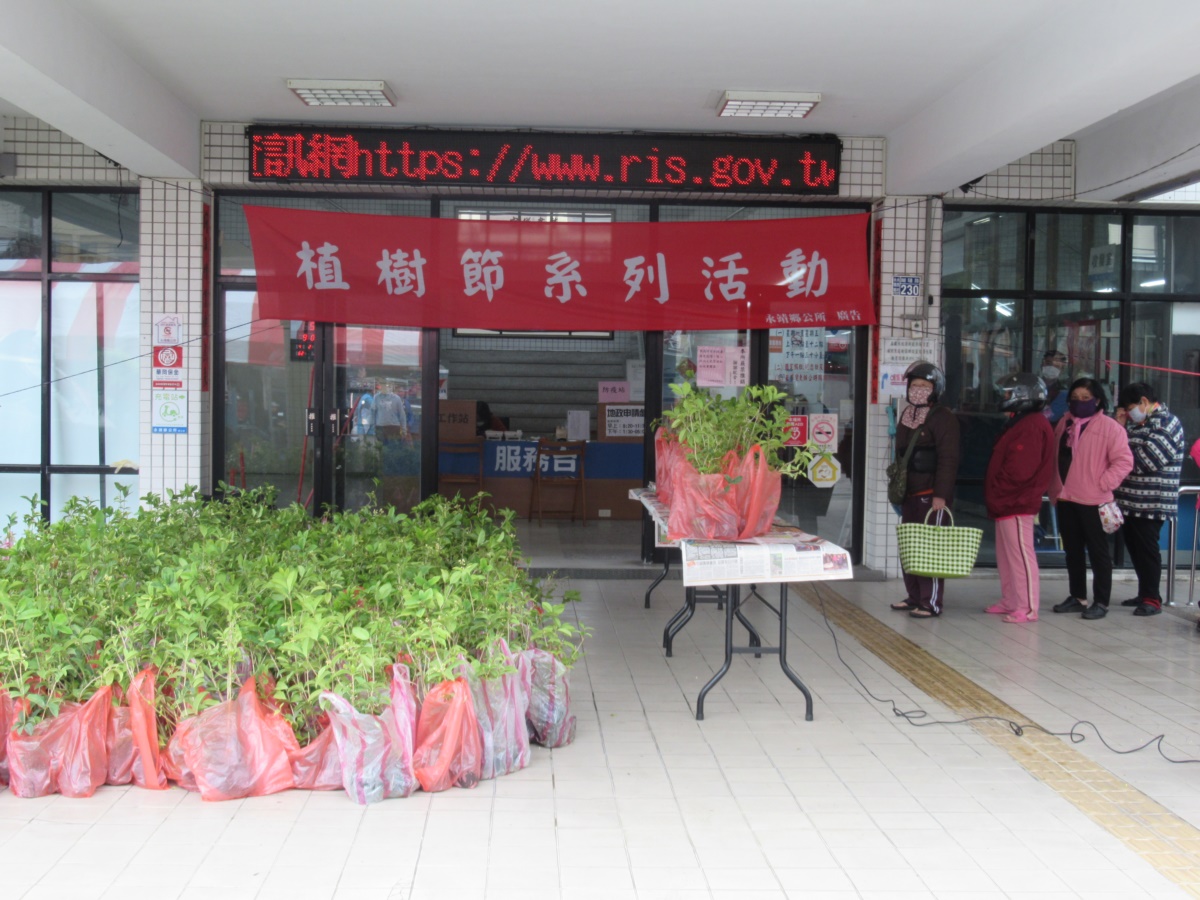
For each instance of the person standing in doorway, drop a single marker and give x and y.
(1054, 370)
(932, 470)
(1093, 459)
(1018, 473)
(1149, 495)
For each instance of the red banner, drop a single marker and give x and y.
(461, 273)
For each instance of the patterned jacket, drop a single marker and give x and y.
(1151, 490)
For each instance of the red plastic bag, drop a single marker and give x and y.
(549, 715)
(120, 746)
(6, 726)
(376, 751)
(67, 754)
(500, 707)
(147, 770)
(449, 748)
(667, 452)
(233, 750)
(701, 506)
(317, 766)
(755, 491)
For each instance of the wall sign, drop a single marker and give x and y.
(627, 276)
(632, 162)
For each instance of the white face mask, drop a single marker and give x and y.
(1051, 373)
(1137, 416)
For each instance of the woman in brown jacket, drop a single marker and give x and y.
(932, 471)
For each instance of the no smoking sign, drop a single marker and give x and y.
(822, 430)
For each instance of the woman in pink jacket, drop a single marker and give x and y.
(1093, 457)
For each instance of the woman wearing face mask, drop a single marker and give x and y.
(932, 470)
(1093, 458)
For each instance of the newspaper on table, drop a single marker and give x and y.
(659, 512)
(785, 554)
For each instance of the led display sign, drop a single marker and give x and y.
(808, 165)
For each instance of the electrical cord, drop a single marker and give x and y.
(915, 717)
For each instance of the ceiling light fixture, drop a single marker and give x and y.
(767, 104)
(341, 93)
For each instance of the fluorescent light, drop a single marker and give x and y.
(767, 104)
(341, 93)
(1158, 282)
(982, 221)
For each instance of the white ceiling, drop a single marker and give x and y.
(958, 87)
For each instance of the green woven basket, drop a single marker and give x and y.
(937, 551)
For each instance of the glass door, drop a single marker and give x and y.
(326, 415)
(376, 405)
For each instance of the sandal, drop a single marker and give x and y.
(904, 606)
(918, 613)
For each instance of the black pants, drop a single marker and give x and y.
(923, 593)
(1080, 528)
(1141, 537)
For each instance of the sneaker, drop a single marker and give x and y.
(1069, 605)
(1132, 601)
(998, 609)
(1019, 618)
(1148, 608)
(1095, 611)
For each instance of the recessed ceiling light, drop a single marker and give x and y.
(767, 104)
(341, 93)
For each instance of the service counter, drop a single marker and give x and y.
(611, 469)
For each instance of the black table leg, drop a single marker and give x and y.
(731, 602)
(755, 639)
(783, 663)
(681, 618)
(657, 581)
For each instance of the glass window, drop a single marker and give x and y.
(95, 369)
(815, 366)
(1077, 252)
(21, 371)
(20, 231)
(983, 251)
(1075, 339)
(681, 355)
(94, 232)
(1167, 336)
(1166, 255)
(17, 490)
(100, 489)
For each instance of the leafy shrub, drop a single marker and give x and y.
(211, 593)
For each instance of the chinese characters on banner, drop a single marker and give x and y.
(435, 273)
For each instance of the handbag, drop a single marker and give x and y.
(1111, 517)
(936, 551)
(897, 472)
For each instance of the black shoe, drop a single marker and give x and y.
(1134, 601)
(1095, 611)
(1147, 609)
(1069, 605)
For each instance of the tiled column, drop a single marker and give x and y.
(174, 235)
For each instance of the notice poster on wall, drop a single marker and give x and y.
(635, 374)
(722, 366)
(169, 412)
(797, 359)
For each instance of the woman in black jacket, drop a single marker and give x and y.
(932, 471)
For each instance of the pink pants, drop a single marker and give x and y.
(1017, 562)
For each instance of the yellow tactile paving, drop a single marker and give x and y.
(1166, 841)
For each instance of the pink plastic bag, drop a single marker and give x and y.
(500, 707)
(236, 749)
(376, 752)
(147, 769)
(701, 506)
(67, 754)
(120, 746)
(549, 715)
(317, 766)
(449, 748)
(6, 725)
(667, 452)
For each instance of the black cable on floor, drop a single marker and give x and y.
(914, 716)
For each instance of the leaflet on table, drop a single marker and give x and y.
(788, 556)
(659, 512)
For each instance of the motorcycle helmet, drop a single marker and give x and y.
(929, 372)
(1021, 392)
